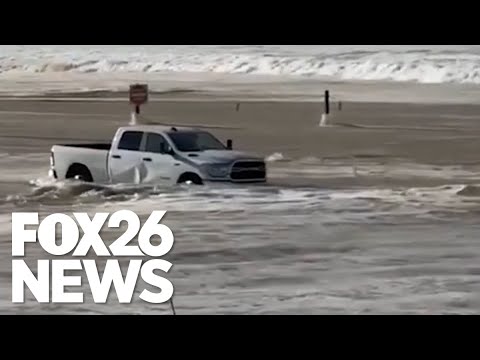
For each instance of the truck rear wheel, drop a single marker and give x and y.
(79, 172)
(190, 178)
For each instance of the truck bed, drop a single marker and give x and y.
(93, 156)
(97, 146)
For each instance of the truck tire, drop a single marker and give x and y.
(190, 177)
(79, 172)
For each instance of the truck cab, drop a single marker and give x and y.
(158, 154)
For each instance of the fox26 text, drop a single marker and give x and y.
(44, 237)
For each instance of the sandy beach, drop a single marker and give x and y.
(375, 213)
(437, 136)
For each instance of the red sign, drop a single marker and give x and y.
(138, 94)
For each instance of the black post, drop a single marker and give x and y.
(137, 109)
(327, 102)
(172, 306)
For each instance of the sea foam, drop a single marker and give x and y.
(422, 65)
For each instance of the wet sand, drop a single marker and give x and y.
(371, 214)
(382, 135)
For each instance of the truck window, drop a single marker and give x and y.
(194, 141)
(156, 144)
(130, 140)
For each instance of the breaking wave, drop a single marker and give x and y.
(470, 191)
(354, 204)
(423, 66)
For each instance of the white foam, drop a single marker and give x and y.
(275, 157)
(433, 198)
(424, 65)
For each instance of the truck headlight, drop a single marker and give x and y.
(218, 170)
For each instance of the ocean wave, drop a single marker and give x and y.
(420, 66)
(470, 191)
(46, 191)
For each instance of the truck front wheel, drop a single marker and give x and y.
(190, 178)
(79, 172)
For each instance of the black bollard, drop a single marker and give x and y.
(327, 102)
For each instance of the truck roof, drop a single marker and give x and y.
(156, 128)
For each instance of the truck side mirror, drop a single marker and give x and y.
(169, 150)
(229, 144)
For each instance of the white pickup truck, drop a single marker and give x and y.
(155, 155)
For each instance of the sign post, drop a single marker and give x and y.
(138, 97)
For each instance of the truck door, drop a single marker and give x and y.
(125, 160)
(158, 165)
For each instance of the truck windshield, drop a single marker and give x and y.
(195, 141)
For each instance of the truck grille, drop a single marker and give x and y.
(248, 170)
